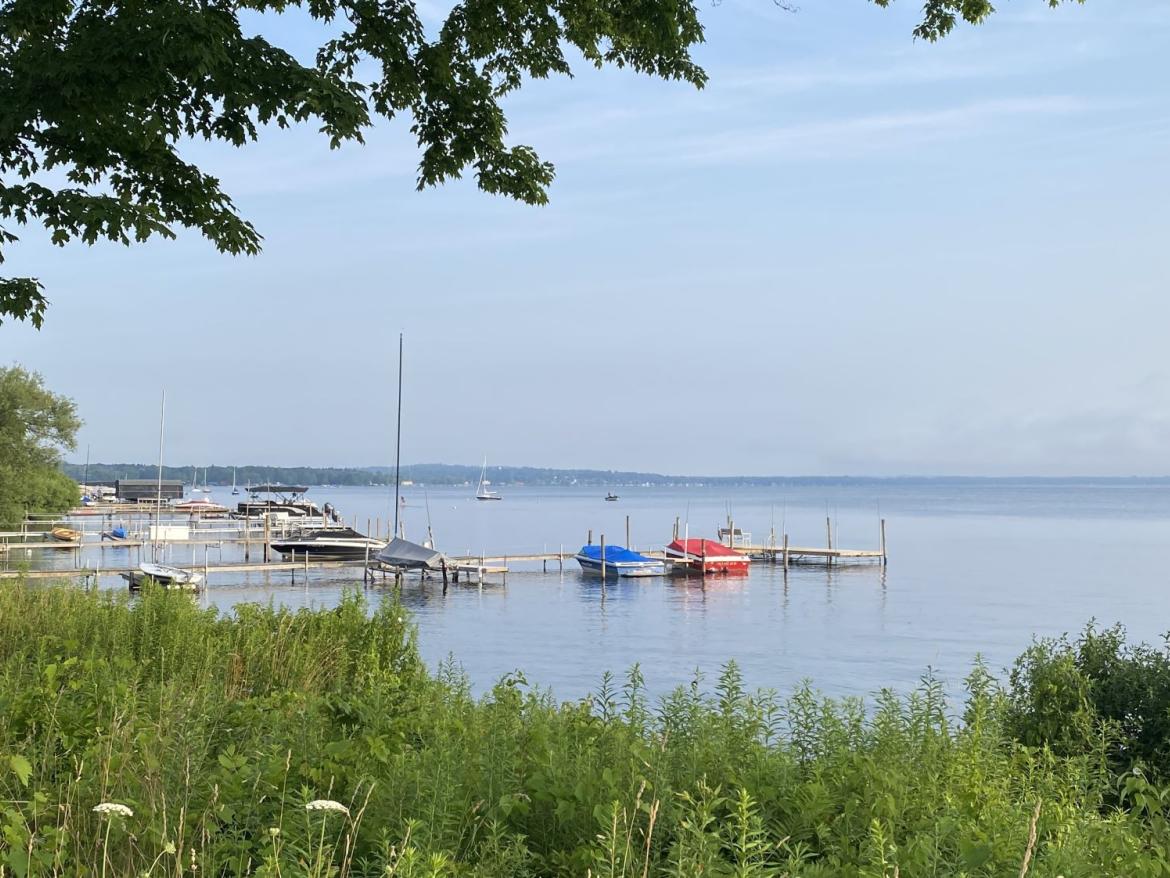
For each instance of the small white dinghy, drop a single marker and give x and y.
(168, 577)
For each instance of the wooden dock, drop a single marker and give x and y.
(256, 537)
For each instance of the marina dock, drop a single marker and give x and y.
(184, 531)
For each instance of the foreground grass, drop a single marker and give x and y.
(215, 733)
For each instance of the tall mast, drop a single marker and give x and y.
(85, 477)
(162, 414)
(398, 440)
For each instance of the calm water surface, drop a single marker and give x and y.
(974, 568)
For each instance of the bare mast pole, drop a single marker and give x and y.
(398, 440)
(162, 415)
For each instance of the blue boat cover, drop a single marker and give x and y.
(612, 554)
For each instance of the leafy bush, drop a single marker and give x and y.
(1077, 696)
(315, 743)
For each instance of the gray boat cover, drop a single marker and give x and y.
(411, 556)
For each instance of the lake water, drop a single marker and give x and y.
(974, 567)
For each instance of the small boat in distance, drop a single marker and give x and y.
(618, 561)
(611, 497)
(168, 577)
(66, 534)
(333, 543)
(707, 556)
(201, 506)
(235, 490)
(482, 492)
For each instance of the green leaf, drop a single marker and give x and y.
(21, 768)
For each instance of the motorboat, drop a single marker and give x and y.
(707, 556)
(287, 501)
(201, 506)
(618, 561)
(612, 497)
(66, 534)
(116, 534)
(334, 543)
(164, 575)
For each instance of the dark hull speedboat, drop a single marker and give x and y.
(330, 543)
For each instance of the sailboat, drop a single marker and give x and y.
(483, 492)
(164, 574)
(400, 553)
(235, 490)
(204, 489)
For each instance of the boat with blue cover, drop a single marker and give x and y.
(619, 561)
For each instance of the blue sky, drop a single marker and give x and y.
(867, 254)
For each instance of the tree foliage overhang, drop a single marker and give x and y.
(96, 97)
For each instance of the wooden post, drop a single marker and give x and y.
(590, 540)
(829, 530)
(247, 539)
(627, 531)
(267, 539)
(675, 537)
(367, 526)
(306, 566)
(883, 533)
(561, 558)
(443, 565)
(785, 553)
(603, 559)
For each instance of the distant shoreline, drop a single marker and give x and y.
(458, 474)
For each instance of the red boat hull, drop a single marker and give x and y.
(708, 557)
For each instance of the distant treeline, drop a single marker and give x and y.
(457, 474)
(222, 475)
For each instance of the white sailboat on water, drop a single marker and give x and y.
(483, 492)
(235, 490)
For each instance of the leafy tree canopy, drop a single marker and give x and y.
(35, 424)
(96, 97)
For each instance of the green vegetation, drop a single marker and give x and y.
(216, 733)
(99, 96)
(35, 424)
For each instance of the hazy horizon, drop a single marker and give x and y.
(851, 252)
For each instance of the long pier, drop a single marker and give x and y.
(257, 535)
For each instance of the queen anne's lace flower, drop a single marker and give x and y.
(327, 805)
(113, 808)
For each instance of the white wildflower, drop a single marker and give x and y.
(113, 808)
(169, 848)
(327, 805)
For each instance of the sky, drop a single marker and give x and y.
(852, 253)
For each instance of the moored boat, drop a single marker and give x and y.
(333, 543)
(66, 534)
(201, 505)
(285, 501)
(707, 556)
(618, 561)
(165, 575)
(611, 497)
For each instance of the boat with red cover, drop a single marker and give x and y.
(708, 556)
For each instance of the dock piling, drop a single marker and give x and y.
(883, 541)
(603, 559)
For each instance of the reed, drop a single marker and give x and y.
(280, 743)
